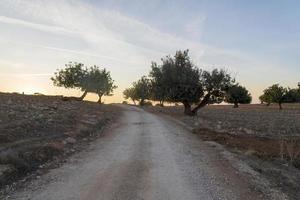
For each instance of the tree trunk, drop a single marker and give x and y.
(280, 105)
(142, 102)
(83, 96)
(161, 103)
(203, 103)
(100, 97)
(236, 105)
(188, 108)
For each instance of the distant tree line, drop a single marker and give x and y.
(87, 79)
(178, 80)
(175, 80)
(280, 95)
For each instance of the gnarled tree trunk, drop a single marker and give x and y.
(203, 103)
(100, 97)
(187, 108)
(75, 98)
(83, 96)
(142, 102)
(236, 105)
(133, 101)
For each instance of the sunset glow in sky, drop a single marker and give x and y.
(257, 41)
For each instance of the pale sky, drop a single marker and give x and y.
(258, 41)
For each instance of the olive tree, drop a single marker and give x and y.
(99, 81)
(276, 94)
(184, 83)
(140, 90)
(130, 93)
(71, 77)
(158, 87)
(265, 98)
(238, 94)
(92, 79)
(292, 95)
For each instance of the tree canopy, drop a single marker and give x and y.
(92, 79)
(98, 81)
(72, 76)
(130, 93)
(238, 94)
(280, 95)
(142, 89)
(180, 81)
(275, 94)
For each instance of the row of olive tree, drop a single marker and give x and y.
(178, 80)
(87, 79)
(280, 95)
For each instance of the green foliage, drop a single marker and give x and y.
(216, 84)
(130, 93)
(292, 95)
(265, 98)
(179, 80)
(140, 91)
(76, 75)
(275, 94)
(237, 94)
(71, 76)
(158, 87)
(98, 81)
(279, 94)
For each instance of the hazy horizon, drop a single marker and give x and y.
(258, 41)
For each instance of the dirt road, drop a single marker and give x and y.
(143, 157)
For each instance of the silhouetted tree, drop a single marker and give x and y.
(140, 91)
(185, 83)
(276, 94)
(292, 95)
(72, 76)
(158, 87)
(98, 81)
(265, 98)
(130, 93)
(237, 94)
(92, 79)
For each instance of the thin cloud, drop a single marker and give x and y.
(25, 75)
(41, 27)
(105, 36)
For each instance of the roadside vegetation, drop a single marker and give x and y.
(278, 94)
(88, 80)
(37, 129)
(37, 132)
(178, 80)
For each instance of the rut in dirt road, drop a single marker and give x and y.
(144, 157)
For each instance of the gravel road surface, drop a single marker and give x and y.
(144, 156)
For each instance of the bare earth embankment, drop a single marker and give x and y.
(38, 132)
(266, 138)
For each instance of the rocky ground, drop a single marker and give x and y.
(266, 138)
(258, 120)
(39, 132)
